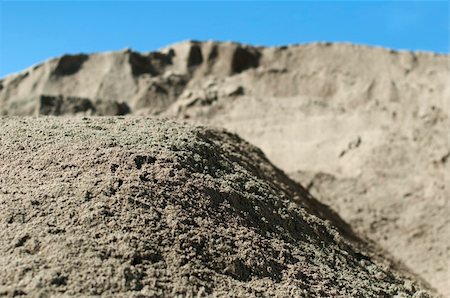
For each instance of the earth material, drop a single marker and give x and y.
(139, 207)
(364, 129)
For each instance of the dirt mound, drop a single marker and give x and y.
(142, 208)
(366, 128)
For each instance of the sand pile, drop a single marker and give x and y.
(365, 129)
(350, 76)
(145, 208)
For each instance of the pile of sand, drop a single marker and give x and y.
(142, 208)
(365, 129)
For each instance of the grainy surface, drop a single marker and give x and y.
(139, 207)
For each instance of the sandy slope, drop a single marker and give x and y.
(366, 129)
(147, 208)
(389, 179)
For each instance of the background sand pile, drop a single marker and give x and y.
(365, 129)
(139, 208)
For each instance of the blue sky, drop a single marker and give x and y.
(33, 31)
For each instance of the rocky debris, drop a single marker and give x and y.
(204, 97)
(135, 207)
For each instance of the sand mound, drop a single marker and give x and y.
(365, 129)
(142, 208)
(151, 83)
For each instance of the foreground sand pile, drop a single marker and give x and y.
(142, 208)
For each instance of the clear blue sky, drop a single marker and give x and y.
(33, 31)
